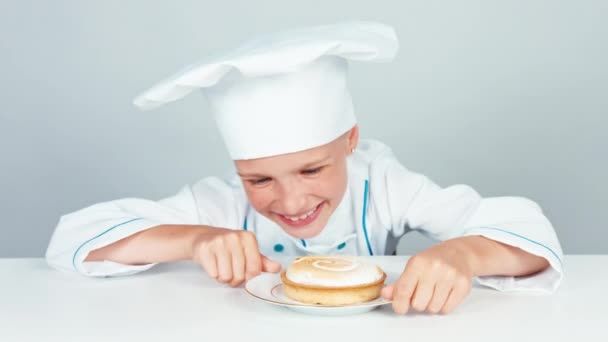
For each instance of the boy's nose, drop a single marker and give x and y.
(294, 205)
(293, 201)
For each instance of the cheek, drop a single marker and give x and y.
(259, 198)
(338, 187)
(333, 185)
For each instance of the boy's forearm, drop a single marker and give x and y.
(163, 243)
(489, 257)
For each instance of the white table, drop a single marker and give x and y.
(178, 302)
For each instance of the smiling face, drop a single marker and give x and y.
(299, 191)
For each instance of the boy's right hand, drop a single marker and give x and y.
(230, 256)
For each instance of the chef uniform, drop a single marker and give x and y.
(287, 92)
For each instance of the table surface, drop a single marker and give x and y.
(179, 302)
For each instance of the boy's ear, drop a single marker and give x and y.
(352, 138)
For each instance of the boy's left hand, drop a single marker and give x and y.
(435, 280)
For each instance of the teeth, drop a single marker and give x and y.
(301, 217)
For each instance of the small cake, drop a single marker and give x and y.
(330, 280)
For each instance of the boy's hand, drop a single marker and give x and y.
(230, 256)
(435, 280)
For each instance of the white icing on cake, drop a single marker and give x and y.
(335, 265)
(334, 272)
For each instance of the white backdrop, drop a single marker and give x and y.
(509, 97)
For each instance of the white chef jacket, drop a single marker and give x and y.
(383, 201)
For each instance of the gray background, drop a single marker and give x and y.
(509, 97)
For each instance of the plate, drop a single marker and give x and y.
(269, 288)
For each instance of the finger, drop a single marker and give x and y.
(270, 265)
(387, 292)
(423, 294)
(440, 295)
(405, 286)
(224, 266)
(253, 258)
(458, 293)
(208, 261)
(238, 265)
(402, 293)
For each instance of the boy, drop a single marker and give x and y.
(305, 184)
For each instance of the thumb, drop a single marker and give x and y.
(270, 265)
(387, 292)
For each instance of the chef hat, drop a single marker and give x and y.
(283, 92)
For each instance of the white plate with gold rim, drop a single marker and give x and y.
(269, 288)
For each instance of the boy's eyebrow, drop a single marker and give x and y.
(314, 163)
(251, 175)
(305, 166)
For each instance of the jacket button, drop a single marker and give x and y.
(278, 248)
(342, 245)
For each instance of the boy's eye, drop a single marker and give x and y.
(259, 181)
(312, 171)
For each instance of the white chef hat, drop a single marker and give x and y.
(283, 92)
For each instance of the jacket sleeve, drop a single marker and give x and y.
(416, 203)
(80, 232)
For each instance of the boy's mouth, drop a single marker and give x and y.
(304, 219)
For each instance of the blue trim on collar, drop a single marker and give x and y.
(93, 238)
(246, 216)
(363, 215)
